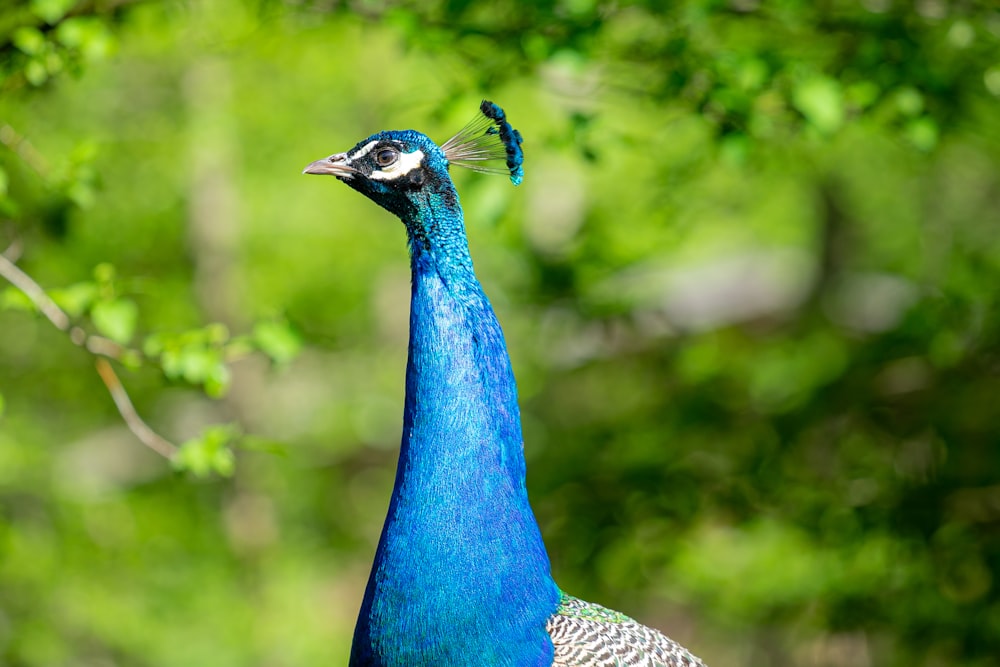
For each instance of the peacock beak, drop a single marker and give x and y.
(335, 165)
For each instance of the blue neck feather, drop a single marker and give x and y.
(461, 576)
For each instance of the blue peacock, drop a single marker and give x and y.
(461, 576)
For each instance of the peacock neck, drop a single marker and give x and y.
(461, 576)
(461, 414)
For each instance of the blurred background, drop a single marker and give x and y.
(750, 287)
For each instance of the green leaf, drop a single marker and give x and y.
(208, 453)
(734, 149)
(753, 74)
(14, 299)
(819, 99)
(130, 359)
(170, 361)
(277, 340)
(197, 362)
(961, 35)
(116, 319)
(217, 380)
(991, 79)
(191, 356)
(29, 40)
(51, 11)
(82, 194)
(947, 349)
(89, 36)
(53, 63)
(922, 133)
(72, 32)
(104, 272)
(3, 405)
(909, 101)
(216, 333)
(75, 299)
(153, 345)
(35, 72)
(863, 94)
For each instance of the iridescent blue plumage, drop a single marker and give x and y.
(461, 576)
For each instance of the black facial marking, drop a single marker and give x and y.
(417, 176)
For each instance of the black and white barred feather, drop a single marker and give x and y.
(589, 635)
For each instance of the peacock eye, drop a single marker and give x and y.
(386, 156)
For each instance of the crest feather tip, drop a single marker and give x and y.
(489, 137)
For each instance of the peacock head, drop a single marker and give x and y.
(396, 169)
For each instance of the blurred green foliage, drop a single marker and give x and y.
(749, 287)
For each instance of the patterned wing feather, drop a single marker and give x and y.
(589, 635)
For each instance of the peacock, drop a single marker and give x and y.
(461, 576)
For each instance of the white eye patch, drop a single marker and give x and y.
(406, 163)
(363, 151)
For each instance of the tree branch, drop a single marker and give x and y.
(139, 428)
(24, 149)
(13, 251)
(98, 346)
(34, 291)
